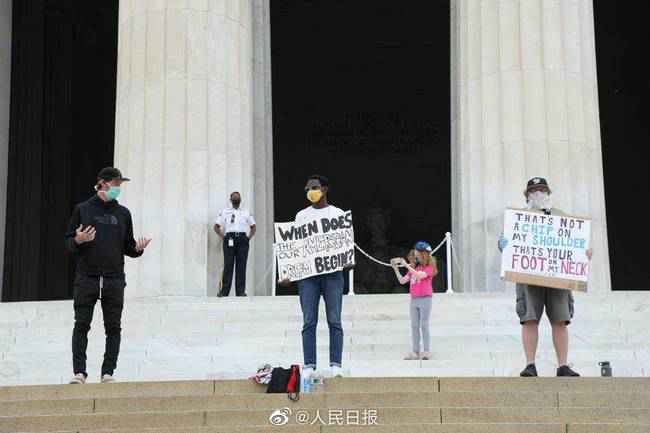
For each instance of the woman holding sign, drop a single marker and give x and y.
(533, 300)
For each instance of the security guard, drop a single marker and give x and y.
(233, 225)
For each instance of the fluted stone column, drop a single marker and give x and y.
(192, 75)
(263, 148)
(5, 91)
(524, 104)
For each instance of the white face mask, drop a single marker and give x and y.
(539, 200)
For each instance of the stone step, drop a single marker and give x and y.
(125, 390)
(412, 428)
(177, 370)
(327, 400)
(519, 384)
(333, 385)
(205, 388)
(382, 416)
(402, 428)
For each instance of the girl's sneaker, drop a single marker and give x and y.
(78, 379)
(426, 356)
(412, 356)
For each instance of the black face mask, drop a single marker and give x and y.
(235, 203)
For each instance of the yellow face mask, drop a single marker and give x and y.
(314, 195)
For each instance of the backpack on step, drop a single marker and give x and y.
(285, 381)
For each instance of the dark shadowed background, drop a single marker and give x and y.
(361, 95)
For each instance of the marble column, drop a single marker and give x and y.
(5, 86)
(189, 131)
(263, 146)
(524, 103)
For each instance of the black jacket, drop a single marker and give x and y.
(113, 239)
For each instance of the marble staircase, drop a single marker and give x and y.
(386, 405)
(228, 338)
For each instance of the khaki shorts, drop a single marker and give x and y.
(532, 300)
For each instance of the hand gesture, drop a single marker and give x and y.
(285, 282)
(590, 253)
(84, 235)
(141, 244)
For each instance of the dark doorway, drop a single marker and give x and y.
(361, 95)
(64, 60)
(622, 36)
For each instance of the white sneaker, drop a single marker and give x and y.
(107, 378)
(336, 371)
(78, 379)
(412, 356)
(426, 356)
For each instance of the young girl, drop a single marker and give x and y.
(421, 270)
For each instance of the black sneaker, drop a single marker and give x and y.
(529, 371)
(565, 371)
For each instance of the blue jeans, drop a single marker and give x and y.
(310, 289)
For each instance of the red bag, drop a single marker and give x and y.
(287, 381)
(293, 385)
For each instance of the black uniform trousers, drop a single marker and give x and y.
(86, 293)
(235, 258)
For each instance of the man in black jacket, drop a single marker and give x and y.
(100, 234)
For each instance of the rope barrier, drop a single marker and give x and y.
(371, 257)
(388, 264)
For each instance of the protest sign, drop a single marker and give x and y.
(546, 250)
(313, 248)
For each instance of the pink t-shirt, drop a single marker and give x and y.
(421, 287)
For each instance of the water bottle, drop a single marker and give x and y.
(605, 369)
(306, 384)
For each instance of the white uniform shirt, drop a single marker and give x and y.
(310, 214)
(233, 220)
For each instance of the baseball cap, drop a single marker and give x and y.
(535, 182)
(423, 246)
(110, 173)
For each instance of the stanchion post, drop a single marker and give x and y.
(274, 283)
(450, 288)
